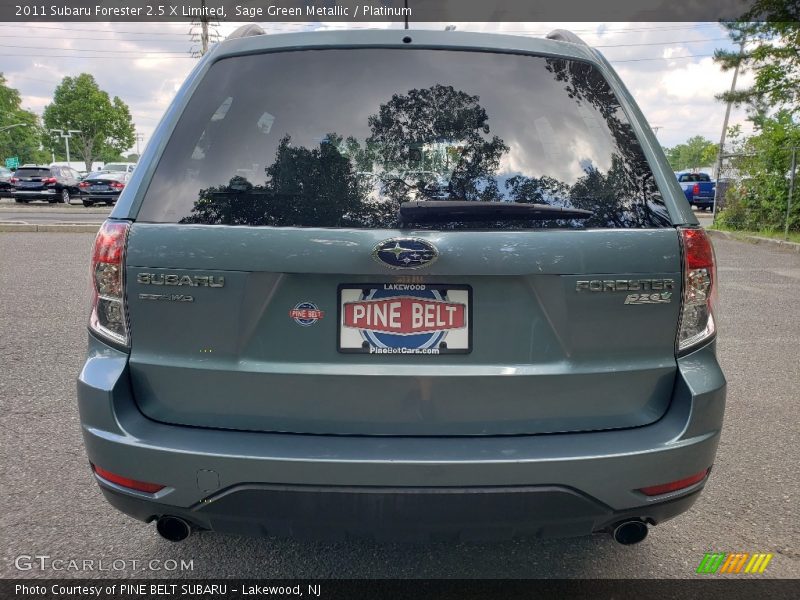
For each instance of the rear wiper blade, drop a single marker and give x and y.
(428, 211)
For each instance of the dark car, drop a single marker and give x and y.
(102, 187)
(53, 184)
(5, 180)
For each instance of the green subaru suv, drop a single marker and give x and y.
(402, 284)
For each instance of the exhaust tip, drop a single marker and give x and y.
(630, 532)
(173, 529)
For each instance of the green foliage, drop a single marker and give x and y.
(771, 30)
(22, 142)
(758, 201)
(105, 124)
(696, 152)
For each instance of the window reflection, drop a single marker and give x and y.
(339, 138)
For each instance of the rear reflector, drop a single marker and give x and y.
(139, 486)
(699, 289)
(674, 486)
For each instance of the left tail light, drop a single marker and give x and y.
(696, 189)
(109, 318)
(83, 184)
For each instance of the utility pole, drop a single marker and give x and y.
(655, 129)
(139, 138)
(791, 191)
(203, 29)
(206, 33)
(724, 133)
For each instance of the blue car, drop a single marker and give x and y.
(698, 188)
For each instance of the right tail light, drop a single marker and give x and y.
(697, 323)
(109, 318)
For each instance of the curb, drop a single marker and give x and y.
(50, 227)
(755, 239)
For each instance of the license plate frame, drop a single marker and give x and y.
(451, 304)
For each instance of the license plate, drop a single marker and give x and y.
(411, 319)
(98, 188)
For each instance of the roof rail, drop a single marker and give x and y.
(562, 35)
(246, 31)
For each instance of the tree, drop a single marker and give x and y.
(696, 152)
(105, 124)
(433, 138)
(771, 32)
(758, 201)
(22, 142)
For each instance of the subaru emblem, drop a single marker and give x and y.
(405, 253)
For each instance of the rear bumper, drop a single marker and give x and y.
(412, 514)
(47, 194)
(554, 484)
(101, 196)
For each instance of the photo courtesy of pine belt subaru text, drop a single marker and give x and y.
(402, 285)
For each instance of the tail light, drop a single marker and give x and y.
(117, 185)
(696, 189)
(699, 289)
(83, 184)
(13, 180)
(49, 180)
(109, 318)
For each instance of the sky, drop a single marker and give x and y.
(667, 66)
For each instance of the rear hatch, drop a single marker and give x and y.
(30, 179)
(278, 280)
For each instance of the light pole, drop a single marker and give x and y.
(14, 125)
(139, 138)
(66, 137)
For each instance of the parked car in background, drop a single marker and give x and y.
(5, 180)
(102, 188)
(698, 189)
(121, 167)
(53, 184)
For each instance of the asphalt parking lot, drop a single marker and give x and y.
(42, 212)
(52, 507)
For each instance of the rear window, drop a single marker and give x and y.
(694, 177)
(32, 172)
(341, 138)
